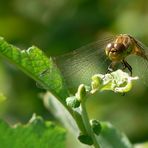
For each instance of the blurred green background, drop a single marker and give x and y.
(58, 26)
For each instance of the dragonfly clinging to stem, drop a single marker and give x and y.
(123, 46)
(88, 60)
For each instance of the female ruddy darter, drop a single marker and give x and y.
(103, 56)
(123, 46)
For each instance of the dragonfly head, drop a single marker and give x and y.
(115, 51)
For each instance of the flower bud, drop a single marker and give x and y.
(81, 93)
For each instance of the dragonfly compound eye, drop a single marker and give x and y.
(108, 48)
(120, 48)
(115, 51)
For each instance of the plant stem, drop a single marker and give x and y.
(79, 121)
(87, 124)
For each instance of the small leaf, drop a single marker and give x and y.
(86, 139)
(36, 134)
(96, 126)
(73, 102)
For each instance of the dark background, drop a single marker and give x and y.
(58, 26)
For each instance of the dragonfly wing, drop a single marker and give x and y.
(142, 62)
(81, 64)
(139, 67)
(142, 49)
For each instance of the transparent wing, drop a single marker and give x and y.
(139, 67)
(79, 65)
(140, 63)
(143, 48)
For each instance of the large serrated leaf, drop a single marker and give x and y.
(35, 134)
(38, 66)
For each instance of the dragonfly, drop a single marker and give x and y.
(104, 56)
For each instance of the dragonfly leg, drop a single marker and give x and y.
(110, 68)
(126, 65)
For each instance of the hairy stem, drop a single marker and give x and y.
(87, 124)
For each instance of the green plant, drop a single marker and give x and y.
(44, 71)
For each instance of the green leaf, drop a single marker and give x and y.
(73, 102)
(110, 137)
(38, 66)
(96, 126)
(86, 139)
(35, 134)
